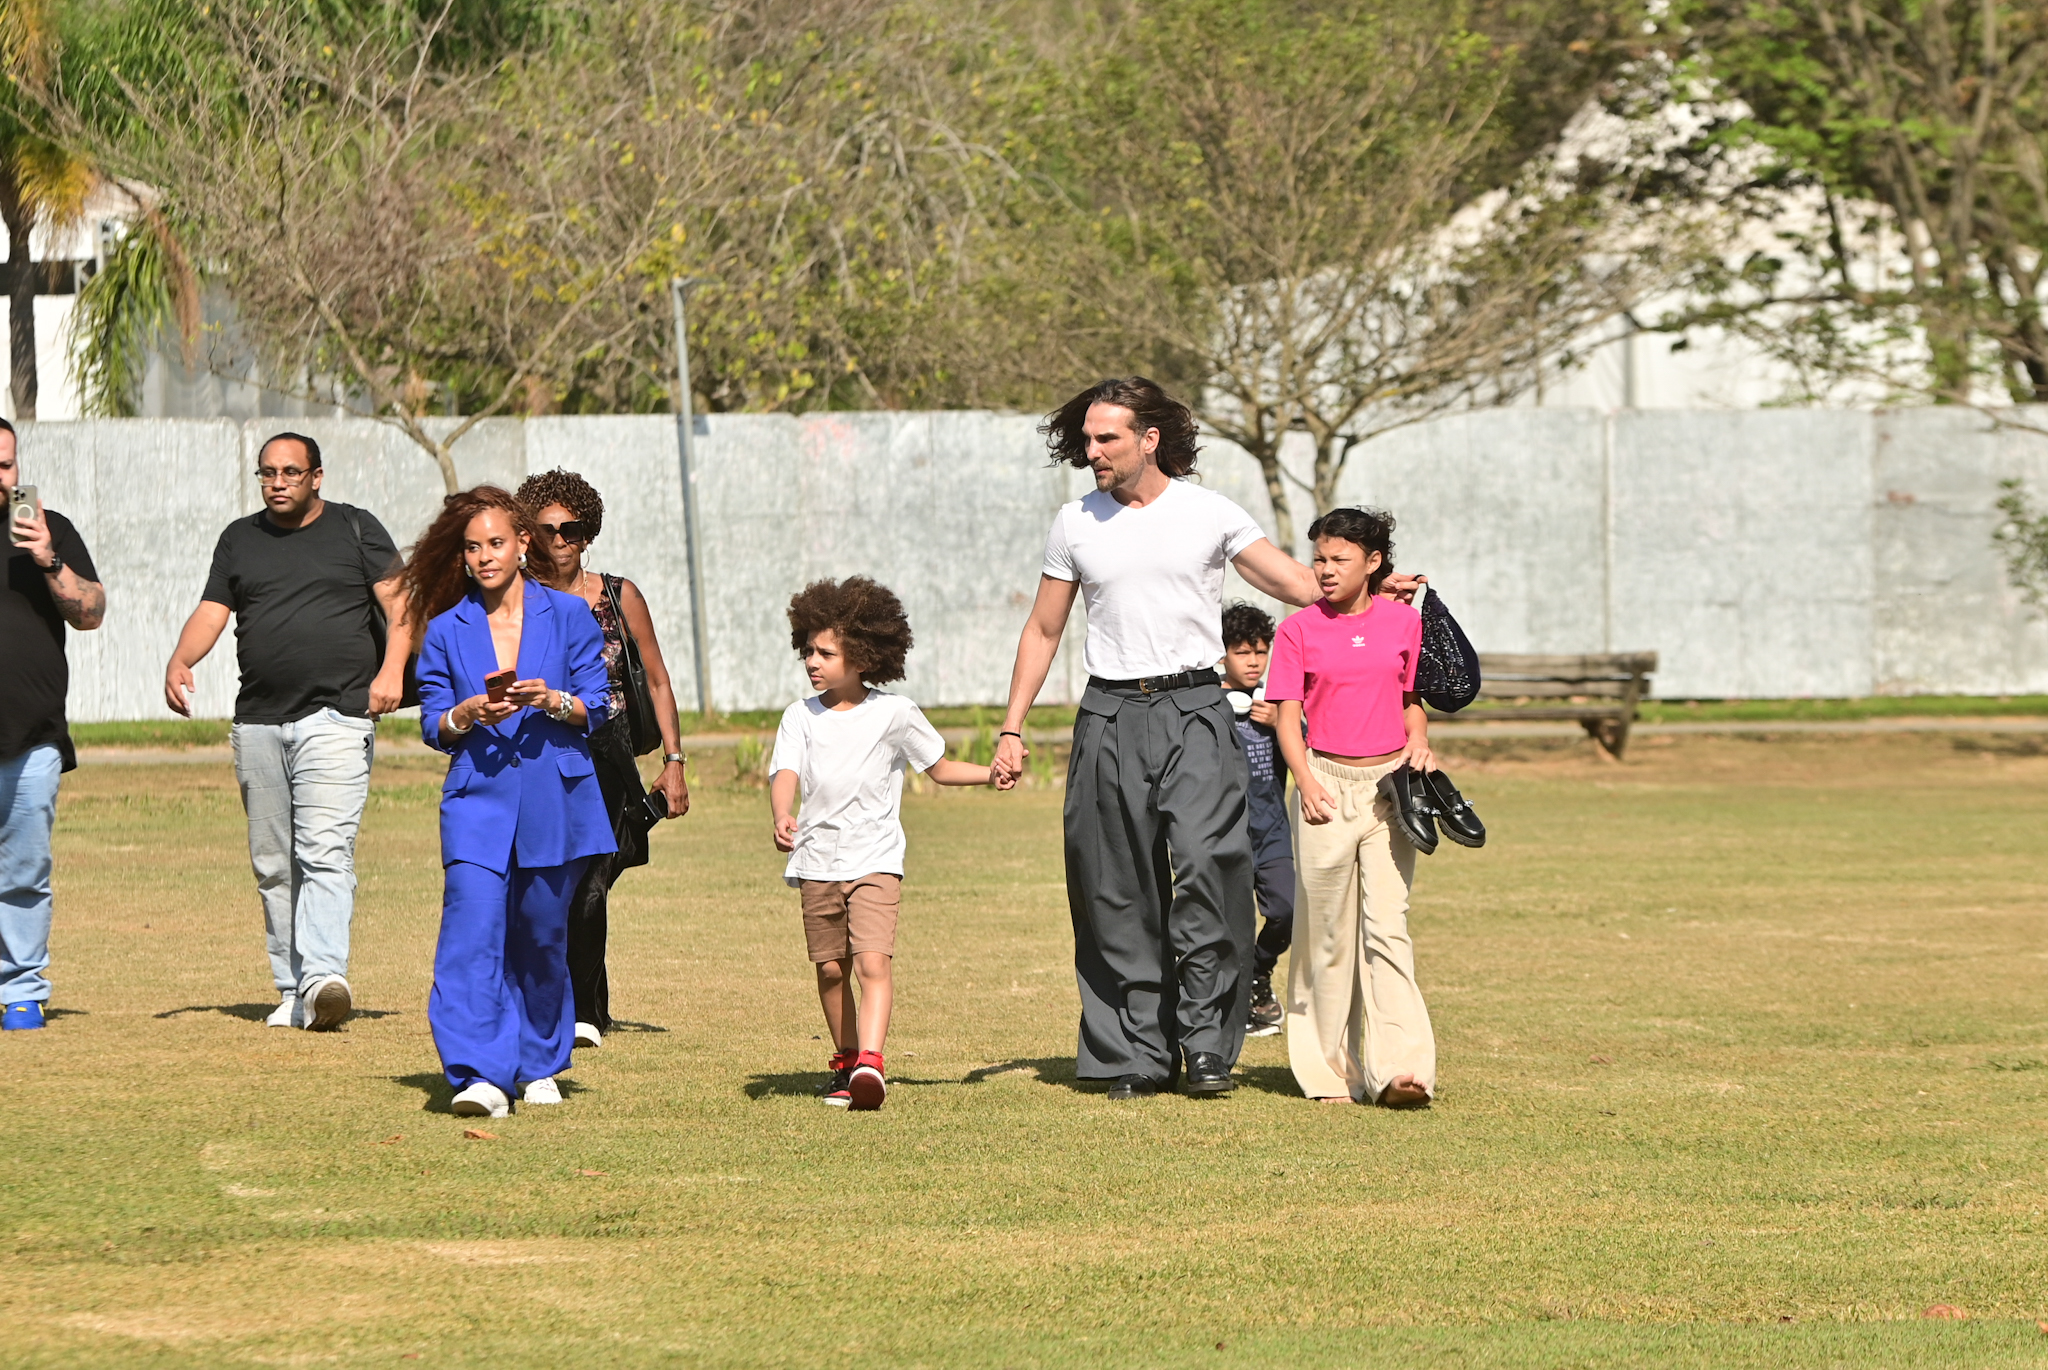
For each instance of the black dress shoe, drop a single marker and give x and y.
(1208, 1075)
(1414, 812)
(1453, 815)
(1134, 1087)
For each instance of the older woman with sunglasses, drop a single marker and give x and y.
(570, 514)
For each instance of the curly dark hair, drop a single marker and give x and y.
(1371, 529)
(1244, 623)
(868, 619)
(1065, 428)
(567, 489)
(432, 580)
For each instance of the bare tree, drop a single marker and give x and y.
(1278, 211)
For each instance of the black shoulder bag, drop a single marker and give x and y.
(409, 693)
(1447, 677)
(640, 719)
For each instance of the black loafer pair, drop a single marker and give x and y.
(1425, 801)
(1207, 1074)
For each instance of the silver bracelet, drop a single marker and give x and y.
(448, 723)
(560, 713)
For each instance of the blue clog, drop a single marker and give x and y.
(22, 1016)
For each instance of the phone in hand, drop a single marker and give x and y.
(21, 512)
(497, 682)
(656, 806)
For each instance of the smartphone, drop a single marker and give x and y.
(656, 804)
(497, 682)
(21, 511)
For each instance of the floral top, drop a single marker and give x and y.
(614, 646)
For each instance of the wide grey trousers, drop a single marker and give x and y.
(1159, 880)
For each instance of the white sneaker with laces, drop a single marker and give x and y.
(481, 1100)
(328, 1001)
(587, 1035)
(542, 1092)
(286, 1014)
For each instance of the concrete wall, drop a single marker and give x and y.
(1762, 553)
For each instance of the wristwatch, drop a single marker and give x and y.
(676, 757)
(56, 566)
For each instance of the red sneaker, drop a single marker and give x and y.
(835, 1088)
(865, 1087)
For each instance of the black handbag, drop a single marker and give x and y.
(409, 693)
(642, 729)
(1447, 676)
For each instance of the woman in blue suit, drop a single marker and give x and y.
(521, 813)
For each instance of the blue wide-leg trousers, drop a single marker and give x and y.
(501, 1009)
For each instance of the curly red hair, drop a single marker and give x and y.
(433, 580)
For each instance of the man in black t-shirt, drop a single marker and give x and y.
(50, 583)
(305, 580)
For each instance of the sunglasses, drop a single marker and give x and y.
(572, 531)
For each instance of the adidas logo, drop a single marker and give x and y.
(1358, 641)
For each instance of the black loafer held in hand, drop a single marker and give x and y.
(1453, 815)
(1414, 811)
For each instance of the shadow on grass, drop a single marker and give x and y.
(1268, 1080)
(432, 1083)
(256, 1013)
(49, 1012)
(1048, 1070)
(621, 1025)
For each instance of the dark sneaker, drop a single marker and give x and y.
(842, 1071)
(1266, 1012)
(865, 1087)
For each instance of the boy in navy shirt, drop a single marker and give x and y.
(1247, 638)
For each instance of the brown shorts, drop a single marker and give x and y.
(844, 917)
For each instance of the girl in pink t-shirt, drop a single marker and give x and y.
(1357, 1028)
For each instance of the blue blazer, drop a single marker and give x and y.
(522, 791)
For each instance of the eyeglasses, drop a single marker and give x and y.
(289, 475)
(575, 530)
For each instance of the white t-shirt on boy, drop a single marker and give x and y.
(849, 766)
(1152, 577)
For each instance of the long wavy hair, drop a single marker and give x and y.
(433, 579)
(1066, 428)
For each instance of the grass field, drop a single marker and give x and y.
(198, 732)
(1744, 1063)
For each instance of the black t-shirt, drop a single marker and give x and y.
(36, 677)
(305, 622)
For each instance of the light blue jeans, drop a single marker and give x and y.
(28, 808)
(303, 787)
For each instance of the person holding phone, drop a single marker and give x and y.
(512, 683)
(570, 515)
(50, 585)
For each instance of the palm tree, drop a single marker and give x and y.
(146, 286)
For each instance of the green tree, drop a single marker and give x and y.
(1296, 211)
(1921, 129)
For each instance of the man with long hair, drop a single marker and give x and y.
(1159, 863)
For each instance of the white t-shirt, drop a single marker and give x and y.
(849, 768)
(1152, 577)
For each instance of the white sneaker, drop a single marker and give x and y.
(328, 1001)
(482, 1100)
(286, 1014)
(587, 1035)
(542, 1092)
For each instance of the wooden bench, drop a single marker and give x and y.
(1598, 691)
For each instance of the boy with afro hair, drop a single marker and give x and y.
(845, 750)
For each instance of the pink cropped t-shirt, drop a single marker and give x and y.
(1349, 671)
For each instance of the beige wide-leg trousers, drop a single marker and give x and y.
(1355, 1017)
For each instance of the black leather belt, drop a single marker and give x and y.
(1158, 684)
